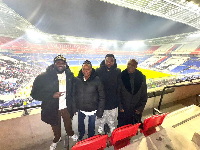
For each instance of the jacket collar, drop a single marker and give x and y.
(103, 65)
(92, 76)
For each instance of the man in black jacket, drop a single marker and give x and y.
(110, 76)
(90, 98)
(134, 95)
(55, 88)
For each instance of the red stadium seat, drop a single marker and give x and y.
(121, 136)
(150, 124)
(97, 142)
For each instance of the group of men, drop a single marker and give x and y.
(105, 93)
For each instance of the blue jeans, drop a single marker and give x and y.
(81, 125)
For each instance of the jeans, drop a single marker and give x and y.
(81, 125)
(128, 117)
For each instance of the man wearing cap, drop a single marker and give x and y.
(110, 76)
(55, 88)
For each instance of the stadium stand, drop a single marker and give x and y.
(163, 49)
(21, 60)
(152, 49)
(196, 52)
(186, 48)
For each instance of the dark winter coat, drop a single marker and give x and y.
(112, 84)
(44, 87)
(90, 94)
(138, 99)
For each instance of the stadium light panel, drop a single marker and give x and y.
(96, 43)
(194, 35)
(35, 36)
(176, 38)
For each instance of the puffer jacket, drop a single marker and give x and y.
(112, 85)
(44, 87)
(89, 94)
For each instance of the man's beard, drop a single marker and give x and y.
(58, 71)
(111, 68)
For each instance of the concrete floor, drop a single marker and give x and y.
(170, 107)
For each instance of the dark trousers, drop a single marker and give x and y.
(128, 117)
(67, 123)
(81, 125)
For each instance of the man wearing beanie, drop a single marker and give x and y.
(110, 76)
(55, 89)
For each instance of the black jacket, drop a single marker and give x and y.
(90, 94)
(112, 84)
(138, 99)
(44, 87)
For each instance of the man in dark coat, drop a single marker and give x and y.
(90, 98)
(55, 88)
(110, 76)
(134, 95)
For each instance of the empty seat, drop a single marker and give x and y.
(121, 136)
(97, 142)
(150, 124)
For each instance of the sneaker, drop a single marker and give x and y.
(54, 145)
(74, 137)
(100, 130)
(80, 138)
(112, 129)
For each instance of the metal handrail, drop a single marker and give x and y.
(163, 92)
(20, 108)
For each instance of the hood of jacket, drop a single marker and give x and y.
(103, 65)
(92, 76)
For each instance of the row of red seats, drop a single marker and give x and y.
(121, 136)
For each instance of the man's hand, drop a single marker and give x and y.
(58, 94)
(137, 112)
(121, 110)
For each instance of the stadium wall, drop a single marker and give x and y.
(180, 93)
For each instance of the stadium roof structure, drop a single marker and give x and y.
(179, 38)
(11, 23)
(176, 10)
(15, 26)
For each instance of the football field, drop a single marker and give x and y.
(148, 73)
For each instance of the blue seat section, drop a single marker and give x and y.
(157, 64)
(190, 71)
(176, 46)
(95, 62)
(124, 61)
(141, 59)
(190, 66)
(179, 69)
(46, 59)
(73, 62)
